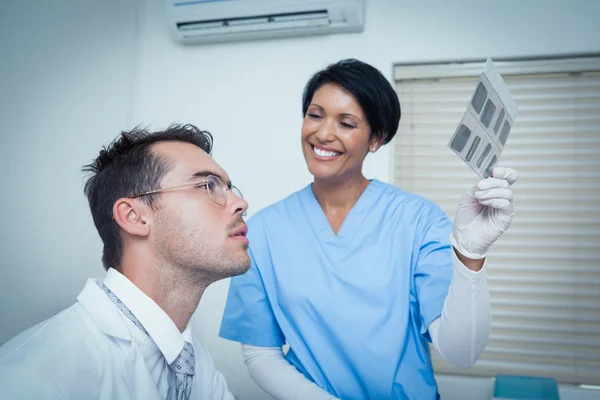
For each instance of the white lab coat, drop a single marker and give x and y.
(80, 354)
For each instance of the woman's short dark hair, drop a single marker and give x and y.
(369, 87)
(126, 167)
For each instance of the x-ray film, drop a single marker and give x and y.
(484, 129)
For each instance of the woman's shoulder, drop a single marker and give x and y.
(403, 206)
(401, 197)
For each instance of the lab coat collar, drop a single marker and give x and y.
(102, 310)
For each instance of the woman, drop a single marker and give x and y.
(356, 275)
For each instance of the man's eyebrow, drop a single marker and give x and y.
(204, 174)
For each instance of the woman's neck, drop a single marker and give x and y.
(339, 194)
(337, 198)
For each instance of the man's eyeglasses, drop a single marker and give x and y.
(216, 188)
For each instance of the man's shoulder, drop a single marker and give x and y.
(57, 336)
(52, 355)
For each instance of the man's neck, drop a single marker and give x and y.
(175, 291)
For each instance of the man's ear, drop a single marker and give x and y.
(132, 216)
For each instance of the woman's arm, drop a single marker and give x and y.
(462, 331)
(276, 376)
(484, 214)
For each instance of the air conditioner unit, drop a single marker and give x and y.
(213, 21)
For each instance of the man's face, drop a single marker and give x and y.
(189, 229)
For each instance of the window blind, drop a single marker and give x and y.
(544, 273)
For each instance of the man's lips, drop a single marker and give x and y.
(241, 231)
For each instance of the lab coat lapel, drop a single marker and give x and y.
(197, 387)
(138, 377)
(110, 321)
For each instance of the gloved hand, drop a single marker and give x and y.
(484, 214)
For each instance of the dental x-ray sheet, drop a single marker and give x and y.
(484, 129)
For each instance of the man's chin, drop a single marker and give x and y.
(245, 266)
(240, 267)
(245, 269)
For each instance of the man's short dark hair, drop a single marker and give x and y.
(369, 87)
(126, 167)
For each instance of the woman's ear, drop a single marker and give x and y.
(375, 143)
(132, 216)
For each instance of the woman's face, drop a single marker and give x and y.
(335, 134)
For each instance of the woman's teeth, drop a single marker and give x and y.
(324, 153)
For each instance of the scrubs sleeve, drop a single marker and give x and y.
(248, 316)
(433, 270)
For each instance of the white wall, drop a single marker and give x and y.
(64, 91)
(84, 70)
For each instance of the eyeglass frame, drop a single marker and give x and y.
(228, 186)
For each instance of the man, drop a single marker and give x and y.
(171, 224)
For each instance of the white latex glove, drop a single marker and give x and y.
(484, 214)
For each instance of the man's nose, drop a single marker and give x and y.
(235, 203)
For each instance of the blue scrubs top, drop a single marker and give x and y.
(354, 307)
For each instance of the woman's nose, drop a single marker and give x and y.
(326, 132)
